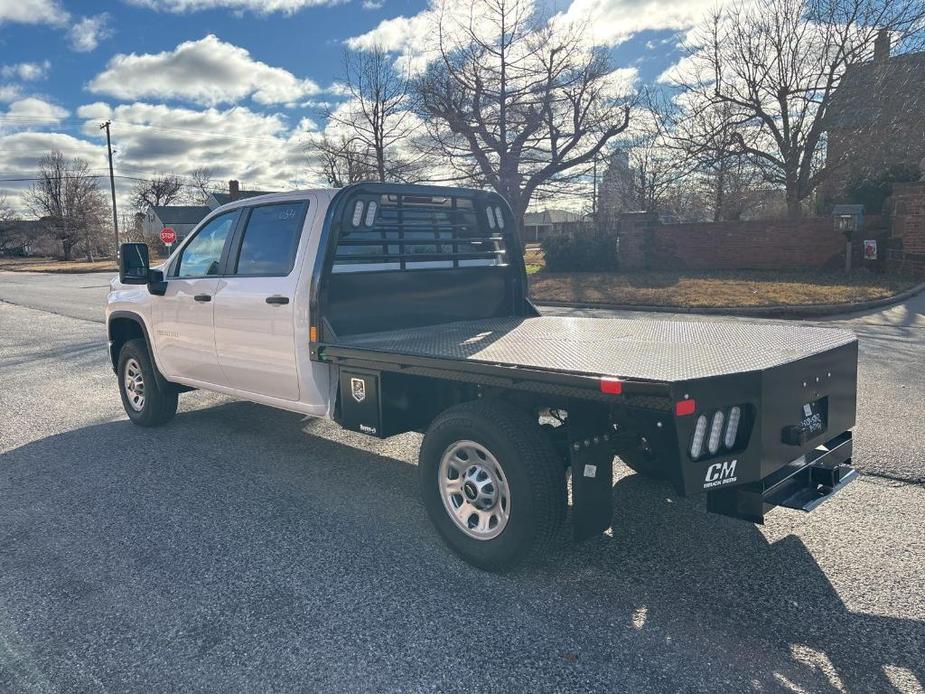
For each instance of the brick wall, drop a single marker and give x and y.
(907, 253)
(807, 244)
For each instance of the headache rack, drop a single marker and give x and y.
(400, 231)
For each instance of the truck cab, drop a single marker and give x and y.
(391, 308)
(232, 312)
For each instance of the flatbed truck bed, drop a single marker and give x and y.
(632, 349)
(394, 309)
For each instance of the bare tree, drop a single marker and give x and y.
(9, 238)
(514, 102)
(771, 69)
(69, 197)
(200, 186)
(343, 161)
(376, 116)
(163, 189)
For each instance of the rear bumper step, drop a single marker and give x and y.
(802, 484)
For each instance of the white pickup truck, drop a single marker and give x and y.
(395, 308)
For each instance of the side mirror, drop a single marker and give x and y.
(134, 265)
(156, 283)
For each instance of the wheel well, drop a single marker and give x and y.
(121, 330)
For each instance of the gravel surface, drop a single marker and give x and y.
(244, 549)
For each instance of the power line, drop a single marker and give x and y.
(42, 178)
(40, 120)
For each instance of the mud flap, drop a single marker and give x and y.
(591, 456)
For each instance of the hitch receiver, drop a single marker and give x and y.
(802, 484)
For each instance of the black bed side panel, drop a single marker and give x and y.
(827, 382)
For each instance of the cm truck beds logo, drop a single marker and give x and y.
(719, 474)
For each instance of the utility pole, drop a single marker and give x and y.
(112, 184)
(594, 193)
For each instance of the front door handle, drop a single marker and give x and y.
(278, 300)
(202, 297)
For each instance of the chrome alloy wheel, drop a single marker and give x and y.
(134, 384)
(474, 490)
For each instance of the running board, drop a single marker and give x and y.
(802, 484)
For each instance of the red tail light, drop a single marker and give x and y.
(682, 408)
(611, 386)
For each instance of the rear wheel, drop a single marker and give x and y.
(492, 483)
(148, 401)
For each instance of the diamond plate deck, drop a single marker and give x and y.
(632, 349)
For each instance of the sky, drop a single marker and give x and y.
(235, 86)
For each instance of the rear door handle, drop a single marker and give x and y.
(202, 297)
(277, 299)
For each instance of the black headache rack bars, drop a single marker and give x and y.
(397, 256)
(802, 484)
(401, 230)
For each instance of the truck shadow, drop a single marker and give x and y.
(230, 531)
(770, 595)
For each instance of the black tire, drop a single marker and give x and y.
(533, 470)
(159, 403)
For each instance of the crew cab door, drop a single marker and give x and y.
(184, 335)
(256, 301)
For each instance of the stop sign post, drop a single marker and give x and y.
(168, 236)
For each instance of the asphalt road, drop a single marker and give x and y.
(243, 549)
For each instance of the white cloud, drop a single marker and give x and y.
(373, 4)
(260, 150)
(256, 6)
(602, 22)
(9, 92)
(395, 35)
(415, 38)
(86, 34)
(32, 112)
(26, 71)
(208, 71)
(263, 151)
(32, 12)
(610, 22)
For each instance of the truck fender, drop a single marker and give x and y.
(118, 336)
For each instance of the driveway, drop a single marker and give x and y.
(243, 549)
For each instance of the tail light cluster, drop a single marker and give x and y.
(715, 431)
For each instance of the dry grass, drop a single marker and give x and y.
(55, 265)
(714, 289)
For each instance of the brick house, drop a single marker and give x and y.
(876, 119)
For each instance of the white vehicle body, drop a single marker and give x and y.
(236, 343)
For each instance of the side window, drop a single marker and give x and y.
(271, 239)
(202, 256)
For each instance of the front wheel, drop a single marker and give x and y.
(146, 402)
(492, 483)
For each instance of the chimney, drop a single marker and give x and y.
(234, 189)
(882, 46)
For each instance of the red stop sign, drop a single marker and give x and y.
(168, 235)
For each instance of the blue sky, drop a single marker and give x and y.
(237, 86)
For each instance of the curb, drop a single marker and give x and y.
(778, 311)
(63, 272)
